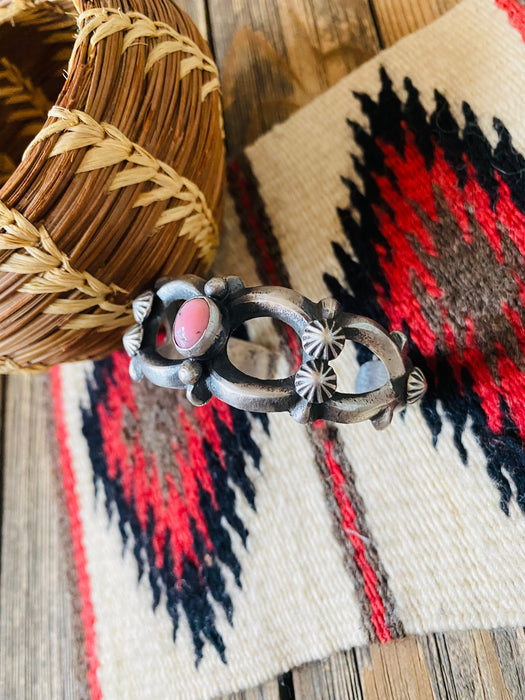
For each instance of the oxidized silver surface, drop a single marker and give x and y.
(204, 370)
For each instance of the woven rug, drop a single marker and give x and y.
(212, 549)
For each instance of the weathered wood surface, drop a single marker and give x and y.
(274, 56)
(396, 18)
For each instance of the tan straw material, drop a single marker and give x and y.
(110, 185)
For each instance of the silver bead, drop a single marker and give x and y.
(135, 369)
(235, 284)
(330, 307)
(190, 372)
(216, 288)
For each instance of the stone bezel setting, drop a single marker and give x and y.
(213, 337)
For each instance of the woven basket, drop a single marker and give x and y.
(110, 185)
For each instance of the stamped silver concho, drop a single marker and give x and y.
(200, 316)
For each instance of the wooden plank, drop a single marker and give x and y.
(196, 9)
(397, 671)
(510, 649)
(455, 666)
(37, 648)
(397, 18)
(276, 55)
(336, 678)
(471, 664)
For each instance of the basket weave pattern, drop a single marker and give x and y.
(122, 183)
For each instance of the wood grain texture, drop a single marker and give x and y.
(196, 9)
(333, 678)
(277, 55)
(510, 650)
(476, 664)
(396, 670)
(397, 18)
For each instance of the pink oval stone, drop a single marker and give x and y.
(191, 321)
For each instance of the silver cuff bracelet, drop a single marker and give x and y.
(199, 318)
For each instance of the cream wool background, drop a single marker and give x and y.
(288, 604)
